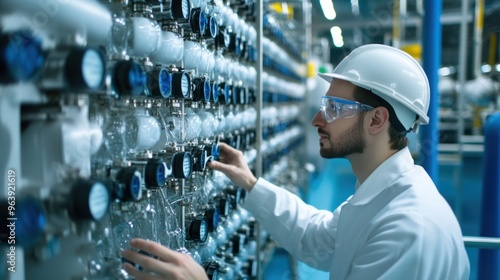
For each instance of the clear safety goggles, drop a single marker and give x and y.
(333, 108)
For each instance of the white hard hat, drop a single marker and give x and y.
(391, 74)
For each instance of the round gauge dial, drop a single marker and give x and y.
(201, 162)
(185, 85)
(155, 173)
(165, 83)
(212, 271)
(186, 8)
(198, 229)
(84, 69)
(206, 90)
(213, 26)
(130, 178)
(20, 56)
(128, 78)
(90, 200)
(30, 224)
(227, 93)
(182, 165)
(213, 219)
(202, 22)
(98, 201)
(181, 85)
(215, 92)
(93, 67)
(215, 151)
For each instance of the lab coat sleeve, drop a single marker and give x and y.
(392, 251)
(305, 232)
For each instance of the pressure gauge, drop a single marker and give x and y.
(130, 179)
(181, 85)
(159, 83)
(213, 26)
(78, 69)
(224, 93)
(198, 229)
(180, 10)
(214, 97)
(93, 68)
(182, 165)
(213, 218)
(223, 38)
(20, 57)
(223, 206)
(231, 42)
(238, 241)
(155, 173)
(90, 200)
(29, 218)
(201, 160)
(235, 194)
(128, 78)
(198, 21)
(212, 270)
(213, 151)
(202, 90)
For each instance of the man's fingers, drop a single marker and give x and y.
(215, 165)
(154, 249)
(137, 274)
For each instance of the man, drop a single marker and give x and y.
(396, 225)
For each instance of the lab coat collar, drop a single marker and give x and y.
(383, 176)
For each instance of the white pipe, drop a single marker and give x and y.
(90, 17)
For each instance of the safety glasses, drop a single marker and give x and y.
(333, 108)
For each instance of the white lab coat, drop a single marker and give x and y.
(395, 226)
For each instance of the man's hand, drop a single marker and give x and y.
(169, 265)
(233, 164)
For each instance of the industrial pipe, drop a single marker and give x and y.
(489, 259)
(64, 14)
(431, 62)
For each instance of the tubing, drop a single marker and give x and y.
(431, 62)
(73, 14)
(490, 225)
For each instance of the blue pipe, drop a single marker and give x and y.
(489, 260)
(431, 42)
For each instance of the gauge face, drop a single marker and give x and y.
(136, 78)
(203, 230)
(206, 90)
(202, 159)
(202, 22)
(135, 187)
(185, 85)
(160, 173)
(215, 151)
(93, 69)
(215, 218)
(215, 92)
(98, 201)
(237, 45)
(185, 9)
(227, 93)
(213, 26)
(187, 165)
(165, 83)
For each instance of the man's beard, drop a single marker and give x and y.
(350, 142)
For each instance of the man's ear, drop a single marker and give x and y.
(379, 117)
